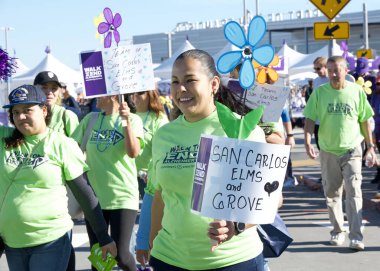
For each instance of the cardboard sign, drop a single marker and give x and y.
(273, 97)
(238, 180)
(119, 70)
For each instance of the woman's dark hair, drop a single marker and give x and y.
(17, 138)
(130, 103)
(223, 95)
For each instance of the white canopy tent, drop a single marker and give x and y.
(164, 71)
(65, 74)
(291, 57)
(227, 48)
(306, 64)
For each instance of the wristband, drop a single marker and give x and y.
(371, 145)
(290, 135)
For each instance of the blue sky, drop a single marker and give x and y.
(67, 25)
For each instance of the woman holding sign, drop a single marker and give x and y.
(37, 162)
(112, 145)
(181, 238)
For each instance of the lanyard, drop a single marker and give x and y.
(110, 139)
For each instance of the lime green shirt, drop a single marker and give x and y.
(62, 120)
(113, 174)
(33, 201)
(151, 124)
(340, 113)
(183, 240)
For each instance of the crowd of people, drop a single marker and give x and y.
(112, 156)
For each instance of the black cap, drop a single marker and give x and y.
(46, 77)
(26, 94)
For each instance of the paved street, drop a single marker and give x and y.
(305, 214)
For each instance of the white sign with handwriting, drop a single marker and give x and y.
(273, 97)
(118, 70)
(238, 180)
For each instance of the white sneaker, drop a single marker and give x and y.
(356, 245)
(337, 239)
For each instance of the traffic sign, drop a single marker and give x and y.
(368, 53)
(330, 8)
(328, 31)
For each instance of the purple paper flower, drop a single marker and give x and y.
(110, 26)
(7, 65)
(344, 48)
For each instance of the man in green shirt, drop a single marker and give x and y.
(343, 111)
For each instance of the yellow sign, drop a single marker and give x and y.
(328, 31)
(330, 8)
(368, 53)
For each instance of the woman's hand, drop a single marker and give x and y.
(220, 231)
(111, 248)
(124, 110)
(142, 256)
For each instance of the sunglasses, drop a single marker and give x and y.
(317, 68)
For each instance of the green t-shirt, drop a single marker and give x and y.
(63, 121)
(340, 113)
(183, 240)
(151, 124)
(33, 201)
(113, 174)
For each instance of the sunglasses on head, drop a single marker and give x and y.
(140, 93)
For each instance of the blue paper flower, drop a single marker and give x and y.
(263, 54)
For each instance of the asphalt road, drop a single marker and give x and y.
(304, 211)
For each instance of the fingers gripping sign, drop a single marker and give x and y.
(219, 232)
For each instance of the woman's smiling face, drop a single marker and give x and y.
(192, 90)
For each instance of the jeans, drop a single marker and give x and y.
(52, 256)
(255, 264)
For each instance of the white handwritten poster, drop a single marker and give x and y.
(238, 180)
(272, 96)
(118, 70)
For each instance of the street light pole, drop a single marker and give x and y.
(6, 29)
(257, 7)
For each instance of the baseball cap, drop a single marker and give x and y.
(362, 66)
(26, 94)
(46, 77)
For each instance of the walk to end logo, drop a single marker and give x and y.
(106, 137)
(93, 73)
(181, 154)
(339, 108)
(18, 158)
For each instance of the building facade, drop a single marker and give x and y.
(295, 28)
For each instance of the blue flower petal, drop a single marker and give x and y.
(263, 54)
(247, 74)
(256, 30)
(235, 34)
(228, 61)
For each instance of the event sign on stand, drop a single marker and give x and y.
(238, 180)
(117, 70)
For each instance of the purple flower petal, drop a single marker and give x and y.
(108, 15)
(117, 20)
(108, 40)
(103, 28)
(116, 35)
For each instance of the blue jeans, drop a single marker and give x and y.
(255, 264)
(52, 256)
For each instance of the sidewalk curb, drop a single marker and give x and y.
(313, 184)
